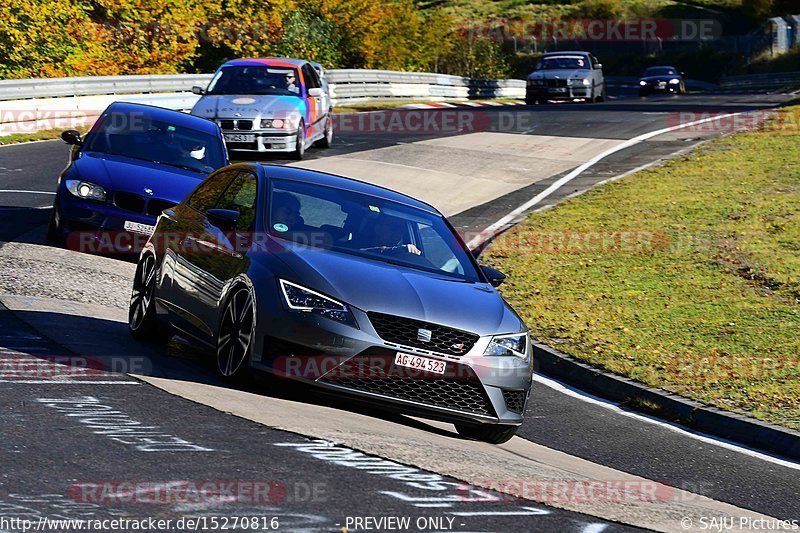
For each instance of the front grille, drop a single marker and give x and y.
(234, 124)
(155, 206)
(515, 400)
(556, 82)
(459, 389)
(406, 331)
(129, 202)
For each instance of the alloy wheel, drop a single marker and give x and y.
(236, 333)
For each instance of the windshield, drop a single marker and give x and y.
(367, 226)
(139, 136)
(660, 71)
(563, 63)
(255, 80)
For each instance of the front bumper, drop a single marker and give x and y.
(263, 141)
(99, 227)
(533, 92)
(668, 88)
(358, 363)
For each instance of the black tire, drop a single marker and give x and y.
(327, 139)
(143, 323)
(300, 145)
(491, 433)
(603, 95)
(55, 230)
(236, 333)
(642, 94)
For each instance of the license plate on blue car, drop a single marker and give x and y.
(138, 227)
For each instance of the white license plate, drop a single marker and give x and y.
(419, 363)
(239, 138)
(558, 90)
(137, 227)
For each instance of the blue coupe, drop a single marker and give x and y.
(136, 161)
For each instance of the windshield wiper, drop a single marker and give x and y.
(177, 165)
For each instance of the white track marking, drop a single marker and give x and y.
(702, 437)
(594, 528)
(526, 511)
(491, 230)
(67, 382)
(15, 191)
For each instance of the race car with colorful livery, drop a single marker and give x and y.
(268, 105)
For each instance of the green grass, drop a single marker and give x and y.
(43, 135)
(701, 294)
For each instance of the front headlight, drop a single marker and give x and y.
(515, 344)
(305, 300)
(674, 81)
(535, 81)
(274, 123)
(86, 190)
(642, 83)
(587, 81)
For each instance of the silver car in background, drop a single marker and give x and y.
(269, 105)
(566, 76)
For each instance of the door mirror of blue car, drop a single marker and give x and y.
(495, 277)
(224, 219)
(198, 90)
(316, 92)
(71, 137)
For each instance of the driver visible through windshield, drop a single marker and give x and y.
(563, 63)
(367, 226)
(139, 136)
(255, 80)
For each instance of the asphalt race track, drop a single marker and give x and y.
(319, 464)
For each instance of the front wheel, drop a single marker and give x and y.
(142, 321)
(300, 144)
(327, 139)
(236, 333)
(55, 229)
(491, 433)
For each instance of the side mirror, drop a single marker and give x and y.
(496, 278)
(599, 66)
(72, 137)
(224, 219)
(316, 91)
(198, 90)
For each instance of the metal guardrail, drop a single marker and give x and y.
(346, 84)
(772, 80)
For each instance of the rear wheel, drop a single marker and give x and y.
(236, 333)
(142, 321)
(491, 433)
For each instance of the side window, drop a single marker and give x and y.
(241, 196)
(310, 75)
(206, 194)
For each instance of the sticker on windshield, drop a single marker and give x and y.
(280, 227)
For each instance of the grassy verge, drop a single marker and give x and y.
(684, 277)
(43, 135)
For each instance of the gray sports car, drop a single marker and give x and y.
(345, 285)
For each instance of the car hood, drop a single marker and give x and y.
(247, 106)
(123, 174)
(372, 285)
(563, 74)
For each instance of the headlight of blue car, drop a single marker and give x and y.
(86, 190)
(302, 299)
(515, 344)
